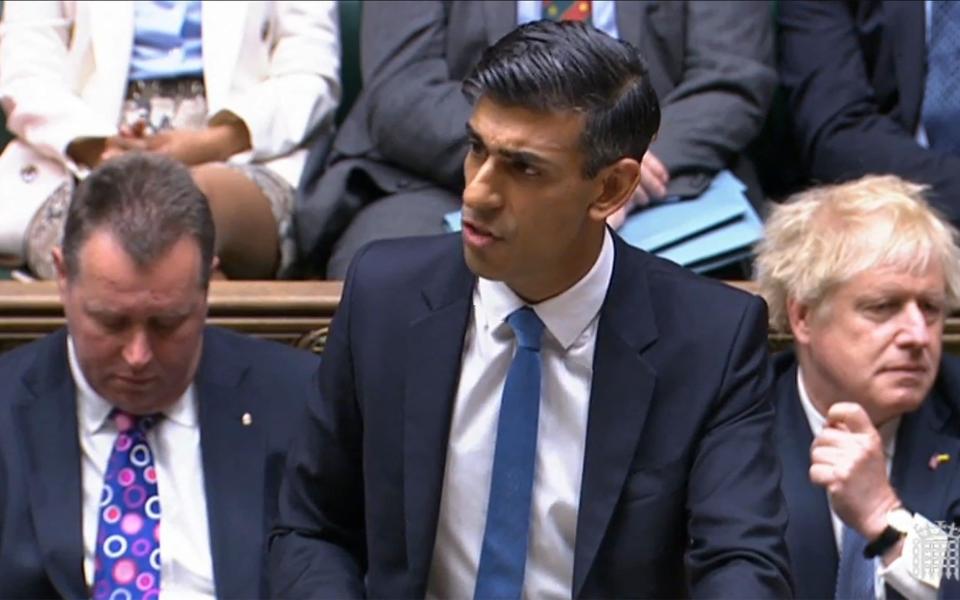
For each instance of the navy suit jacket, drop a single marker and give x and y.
(41, 544)
(679, 460)
(854, 72)
(935, 493)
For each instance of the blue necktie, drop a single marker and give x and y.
(941, 96)
(128, 536)
(504, 553)
(855, 573)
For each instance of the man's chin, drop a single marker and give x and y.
(479, 266)
(903, 400)
(143, 402)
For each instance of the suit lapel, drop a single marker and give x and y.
(232, 455)
(921, 488)
(905, 21)
(434, 346)
(620, 396)
(810, 535)
(48, 422)
(922, 434)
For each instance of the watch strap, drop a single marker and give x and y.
(891, 535)
(886, 540)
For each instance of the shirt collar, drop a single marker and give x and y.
(887, 431)
(566, 315)
(95, 409)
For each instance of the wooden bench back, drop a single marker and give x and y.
(292, 312)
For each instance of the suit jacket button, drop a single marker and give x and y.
(28, 173)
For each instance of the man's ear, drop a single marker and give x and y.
(799, 315)
(618, 182)
(61, 266)
(215, 273)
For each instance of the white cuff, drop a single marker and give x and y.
(916, 572)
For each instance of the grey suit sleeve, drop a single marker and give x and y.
(725, 89)
(417, 111)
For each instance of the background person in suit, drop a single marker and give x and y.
(395, 166)
(868, 91)
(134, 269)
(232, 89)
(868, 411)
(644, 462)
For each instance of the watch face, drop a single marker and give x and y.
(900, 519)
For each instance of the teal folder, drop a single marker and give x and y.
(715, 229)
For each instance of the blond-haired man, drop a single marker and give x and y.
(863, 275)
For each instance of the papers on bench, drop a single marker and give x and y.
(705, 233)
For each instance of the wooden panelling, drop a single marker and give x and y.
(293, 312)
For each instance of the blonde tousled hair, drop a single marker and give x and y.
(823, 237)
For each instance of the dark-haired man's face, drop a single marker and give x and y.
(137, 331)
(529, 215)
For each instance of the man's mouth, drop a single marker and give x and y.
(477, 235)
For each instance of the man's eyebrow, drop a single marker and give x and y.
(176, 313)
(514, 155)
(100, 310)
(96, 308)
(523, 156)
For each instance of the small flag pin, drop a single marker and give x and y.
(938, 459)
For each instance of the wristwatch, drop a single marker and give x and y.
(899, 522)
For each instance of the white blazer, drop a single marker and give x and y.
(63, 75)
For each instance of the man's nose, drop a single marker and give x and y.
(482, 190)
(914, 326)
(137, 352)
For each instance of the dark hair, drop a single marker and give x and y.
(149, 202)
(569, 65)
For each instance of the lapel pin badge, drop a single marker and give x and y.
(938, 459)
(247, 420)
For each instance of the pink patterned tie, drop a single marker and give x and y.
(127, 563)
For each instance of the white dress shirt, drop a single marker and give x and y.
(186, 567)
(567, 350)
(899, 573)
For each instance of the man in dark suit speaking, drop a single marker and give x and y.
(141, 452)
(534, 408)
